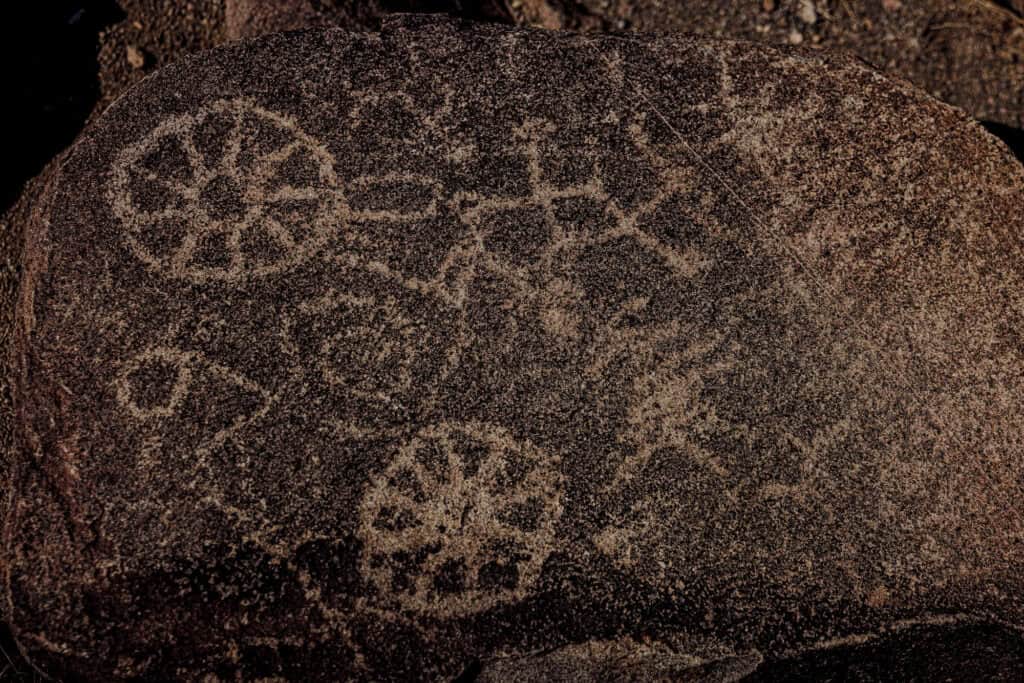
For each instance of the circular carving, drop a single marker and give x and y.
(373, 351)
(231, 192)
(461, 520)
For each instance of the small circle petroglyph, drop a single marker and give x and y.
(461, 520)
(233, 191)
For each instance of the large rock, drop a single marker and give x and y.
(454, 349)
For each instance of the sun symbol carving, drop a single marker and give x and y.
(232, 192)
(462, 520)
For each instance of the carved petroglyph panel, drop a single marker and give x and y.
(623, 270)
(562, 352)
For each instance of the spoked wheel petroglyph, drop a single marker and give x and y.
(462, 520)
(231, 192)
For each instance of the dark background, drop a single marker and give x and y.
(50, 65)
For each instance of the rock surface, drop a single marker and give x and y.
(966, 52)
(421, 353)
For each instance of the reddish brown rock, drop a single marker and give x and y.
(450, 348)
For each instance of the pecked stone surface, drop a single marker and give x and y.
(460, 350)
(967, 53)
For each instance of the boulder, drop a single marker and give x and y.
(455, 350)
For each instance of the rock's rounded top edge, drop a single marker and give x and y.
(411, 24)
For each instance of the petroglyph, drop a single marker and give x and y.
(231, 191)
(371, 351)
(667, 409)
(461, 520)
(161, 361)
(168, 386)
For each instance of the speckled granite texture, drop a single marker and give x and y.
(451, 349)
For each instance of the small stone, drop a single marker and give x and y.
(768, 5)
(808, 12)
(795, 37)
(136, 57)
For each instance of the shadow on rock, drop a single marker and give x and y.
(1011, 137)
(13, 667)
